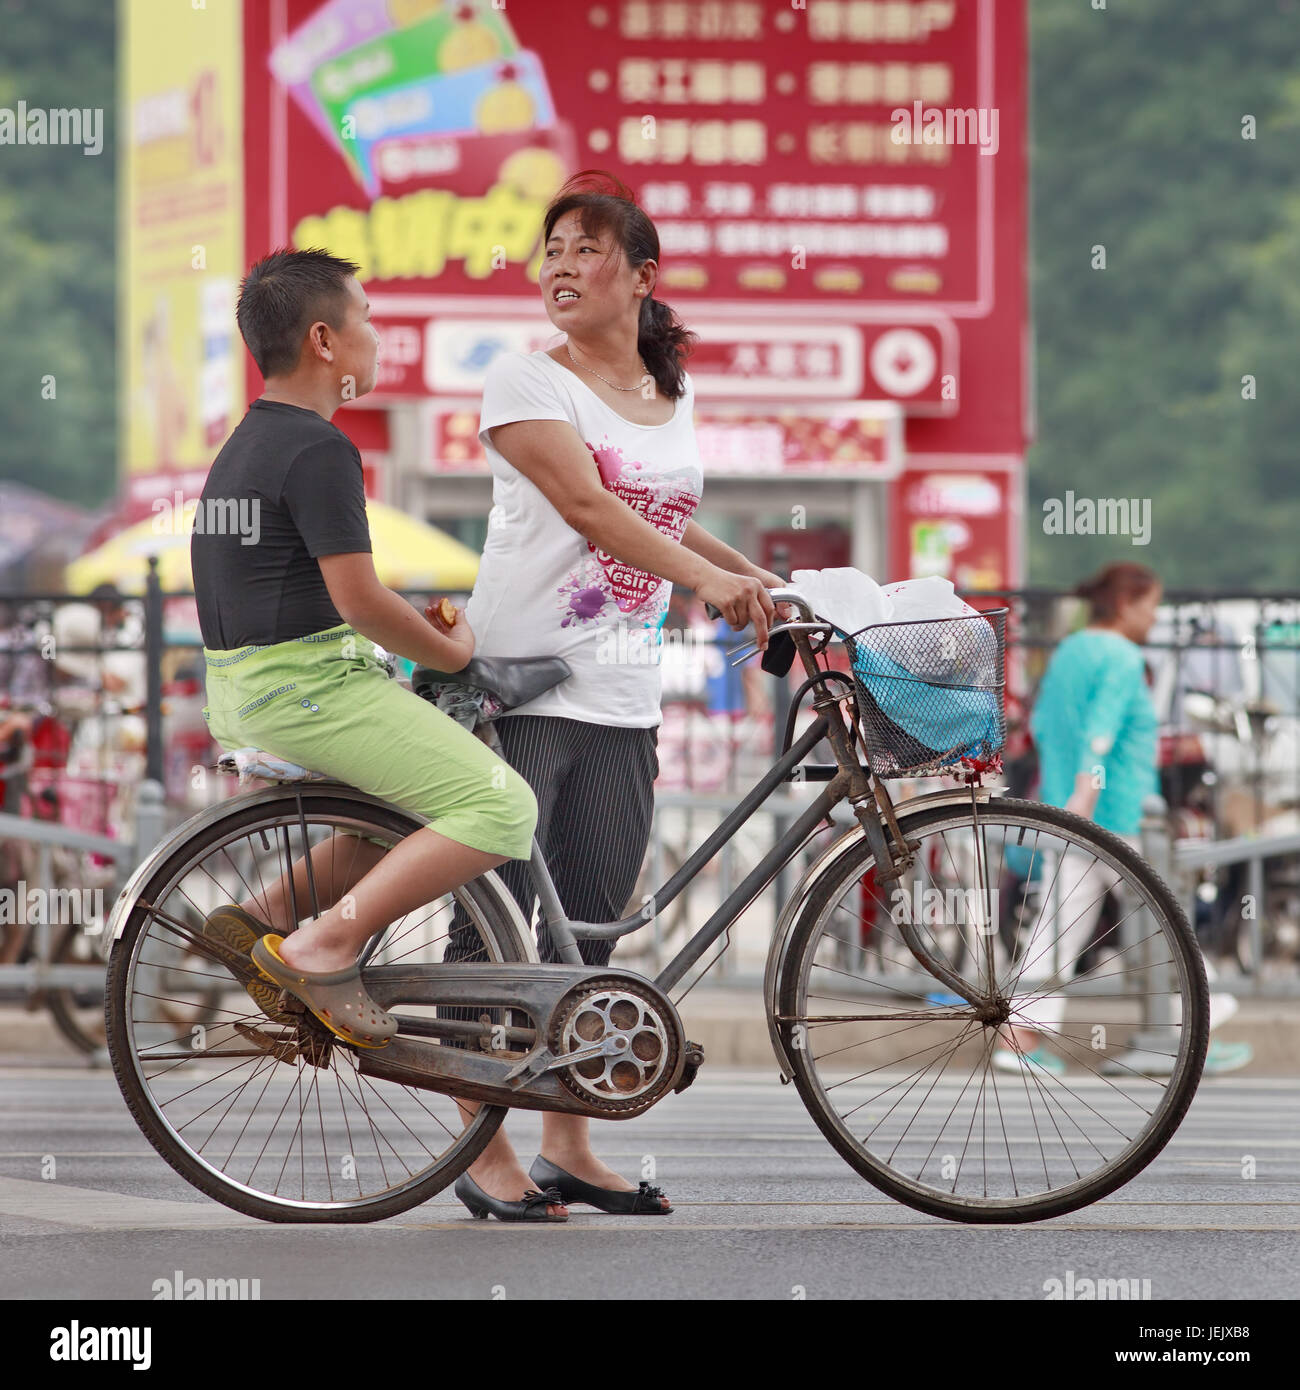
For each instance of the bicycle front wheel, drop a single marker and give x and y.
(1054, 1098)
(255, 1112)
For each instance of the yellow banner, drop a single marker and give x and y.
(181, 231)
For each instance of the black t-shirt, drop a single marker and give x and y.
(286, 487)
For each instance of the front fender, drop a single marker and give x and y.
(780, 947)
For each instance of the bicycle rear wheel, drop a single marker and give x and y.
(904, 1082)
(255, 1113)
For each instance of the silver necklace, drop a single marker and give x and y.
(596, 374)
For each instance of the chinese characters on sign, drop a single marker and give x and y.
(762, 138)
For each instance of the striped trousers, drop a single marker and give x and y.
(594, 785)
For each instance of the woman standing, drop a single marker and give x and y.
(596, 475)
(1095, 728)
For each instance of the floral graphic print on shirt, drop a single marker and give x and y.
(666, 501)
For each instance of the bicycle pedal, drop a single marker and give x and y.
(290, 1004)
(289, 1046)
(277, 1045)
(694, 1061)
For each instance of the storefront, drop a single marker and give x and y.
(806, 472)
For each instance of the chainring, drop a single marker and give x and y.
(638, 1075)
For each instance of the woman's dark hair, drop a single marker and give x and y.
(1114, 585)
(608, 205)
(282, 296)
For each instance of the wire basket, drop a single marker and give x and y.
(930, 691)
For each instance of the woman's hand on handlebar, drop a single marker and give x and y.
(786, 612)
(742, 600)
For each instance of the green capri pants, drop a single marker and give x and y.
(327, 702)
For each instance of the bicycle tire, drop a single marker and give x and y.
(854, 861)
(485, 896)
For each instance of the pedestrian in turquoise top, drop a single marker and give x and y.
(1093, 722)
(1095, 729)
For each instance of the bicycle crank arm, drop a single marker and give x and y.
(474, 1076)
(545, 1060)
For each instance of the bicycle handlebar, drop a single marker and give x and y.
(792, 596)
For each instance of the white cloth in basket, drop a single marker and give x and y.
(853, 600)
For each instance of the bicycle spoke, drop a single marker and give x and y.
(234, 1097)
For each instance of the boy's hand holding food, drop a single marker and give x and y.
(451, 622)
(442, 613)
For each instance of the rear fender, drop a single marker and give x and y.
(206, 819)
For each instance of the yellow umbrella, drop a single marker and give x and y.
(409, 554)
(122, 560)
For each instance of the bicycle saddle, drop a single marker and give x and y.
(512, 680)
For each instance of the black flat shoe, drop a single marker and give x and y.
(645, 1201)
(532, 1208)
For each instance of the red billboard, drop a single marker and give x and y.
(858, 440)
(838, 187)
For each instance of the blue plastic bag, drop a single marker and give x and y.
(919, 702)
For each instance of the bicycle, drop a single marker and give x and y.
(282, 1121)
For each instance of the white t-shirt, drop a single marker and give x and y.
(543, 589)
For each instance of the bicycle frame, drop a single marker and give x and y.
(537, 989)
(851, 781)
(566, 933)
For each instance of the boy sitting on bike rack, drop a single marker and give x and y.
(291, 610)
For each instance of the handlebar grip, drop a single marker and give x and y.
(712, 611)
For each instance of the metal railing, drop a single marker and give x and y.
(41, 971)
(1180, 863)
(1196, 637)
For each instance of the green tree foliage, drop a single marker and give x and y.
(58, 237)
(1137, 122)
(1136, 129)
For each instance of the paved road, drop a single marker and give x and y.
(764, 1209)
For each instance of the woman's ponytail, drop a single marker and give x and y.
(664, 343)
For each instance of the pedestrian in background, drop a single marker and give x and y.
(1095, 727)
